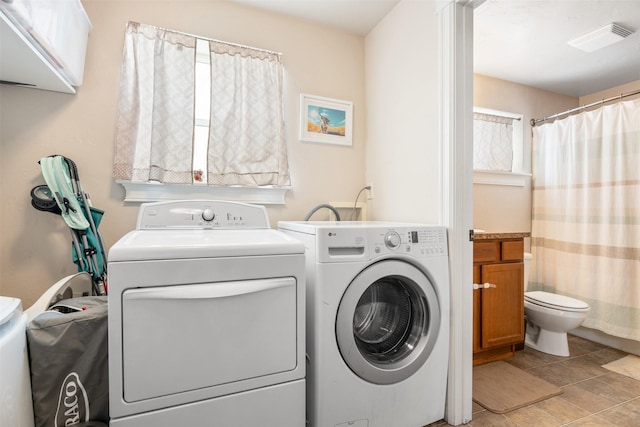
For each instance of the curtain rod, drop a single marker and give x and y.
(593, 104)
(242, 46)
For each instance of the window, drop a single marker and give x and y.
(497, 141)
(198, 113)
(498, 148)
(202, 112)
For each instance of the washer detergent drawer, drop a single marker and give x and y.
(181, 338)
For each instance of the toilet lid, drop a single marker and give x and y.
(561, 302)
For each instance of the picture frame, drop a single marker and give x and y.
(326, 120)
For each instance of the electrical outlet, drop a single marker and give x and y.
(370, 191)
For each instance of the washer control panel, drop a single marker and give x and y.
(418, 241)
(349, 241)
(201, 214)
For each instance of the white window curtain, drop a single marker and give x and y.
(586, 214)
(492, 142)
(247, 144)
(155, 118)
(155, 122)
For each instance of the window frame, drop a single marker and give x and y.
(517, 176)
(150, 191)
(156, 192)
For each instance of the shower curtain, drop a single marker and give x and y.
(585, 235)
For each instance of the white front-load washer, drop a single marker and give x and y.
(206, 319)
(377, 322)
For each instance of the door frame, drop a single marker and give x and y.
(456, 137)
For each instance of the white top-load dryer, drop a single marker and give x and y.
(206, 319)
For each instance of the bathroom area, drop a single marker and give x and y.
(512, 240)
(552, 314)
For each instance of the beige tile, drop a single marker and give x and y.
(476, 408)
(585, 399)
(533, 416)
(562, 410)
(590, 365)
(528, 358)
(487, 418)
(608, 355)
(626, 385)
(561, 373)
(614, 387)
(593, 396)
(579, 346)
(440, 423)
(591, 421)
(625, 415)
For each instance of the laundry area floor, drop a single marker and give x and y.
(592, 395)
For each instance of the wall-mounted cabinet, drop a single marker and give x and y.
(498, 301)
(43, 44)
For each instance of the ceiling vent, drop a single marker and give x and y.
(605, 36)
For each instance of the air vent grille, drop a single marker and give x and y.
(621, 31)
(602, 37)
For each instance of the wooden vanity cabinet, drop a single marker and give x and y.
(498, 311)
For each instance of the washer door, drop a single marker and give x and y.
(388, 322)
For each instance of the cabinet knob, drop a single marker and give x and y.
(483, 286)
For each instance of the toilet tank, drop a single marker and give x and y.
(527, 268)
(16, 407)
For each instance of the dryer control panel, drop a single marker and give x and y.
(201, 214)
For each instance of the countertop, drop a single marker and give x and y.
(484, 235)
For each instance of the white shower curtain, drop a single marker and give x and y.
(586, 214)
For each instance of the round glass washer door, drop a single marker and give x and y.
(388, 322)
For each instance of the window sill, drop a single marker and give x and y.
(512, 179)
(151, 192)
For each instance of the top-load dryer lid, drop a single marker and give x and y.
(202, 229)
(142, 245)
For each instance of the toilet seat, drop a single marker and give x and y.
(555, 301)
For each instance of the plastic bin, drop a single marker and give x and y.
(16, 407)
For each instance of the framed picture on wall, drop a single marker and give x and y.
(326, 120)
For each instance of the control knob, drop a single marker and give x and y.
(208, 214)
(392, 240)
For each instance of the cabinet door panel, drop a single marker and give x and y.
(513, 251)
(486, 251)
(502, 306)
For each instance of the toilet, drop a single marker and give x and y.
(549, 317)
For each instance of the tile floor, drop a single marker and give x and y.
(593, 396)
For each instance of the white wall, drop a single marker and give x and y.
(499, 208)
(505, 208)
(403, 157)
(34, 248)
(612, 92)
